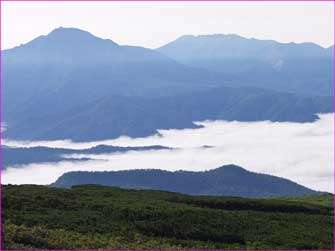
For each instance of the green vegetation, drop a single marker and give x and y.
(322, 200)
(98, 217)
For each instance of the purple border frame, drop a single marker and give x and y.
(145, 1)
(166, 0)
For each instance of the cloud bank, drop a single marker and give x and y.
(302, 152)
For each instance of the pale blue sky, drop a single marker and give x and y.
(152, 24)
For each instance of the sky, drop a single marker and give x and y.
(301, 152)
(153, 24)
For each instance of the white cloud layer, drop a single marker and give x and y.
(302, 152)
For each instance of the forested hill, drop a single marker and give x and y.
(228, 180)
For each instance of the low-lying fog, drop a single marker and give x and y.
(302, 152)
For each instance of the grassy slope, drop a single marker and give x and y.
(92, 217)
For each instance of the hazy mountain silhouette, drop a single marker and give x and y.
(300, 68)
(69, 66)
(17, 156)
(73, 85)
(113, 116)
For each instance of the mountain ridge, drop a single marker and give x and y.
(238, 36)
(227, 180)
(111, 117)
(15, 157)
(304, 68)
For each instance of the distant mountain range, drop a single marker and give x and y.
(73, 85)
(111, 117)
(305, 68)
(229, 180)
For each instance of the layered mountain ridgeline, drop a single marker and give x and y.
(111, 117)
(73, 85)
(96, 217)
(229, 180)
(305, 68)
(51, 69)
(17, 156)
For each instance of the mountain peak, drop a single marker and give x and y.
(230, 167)
(64, 31)
(64, 34)
(72, 38)
(64, 44)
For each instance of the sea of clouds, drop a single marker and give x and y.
(302, 152)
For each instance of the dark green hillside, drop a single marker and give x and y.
(97, 217)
